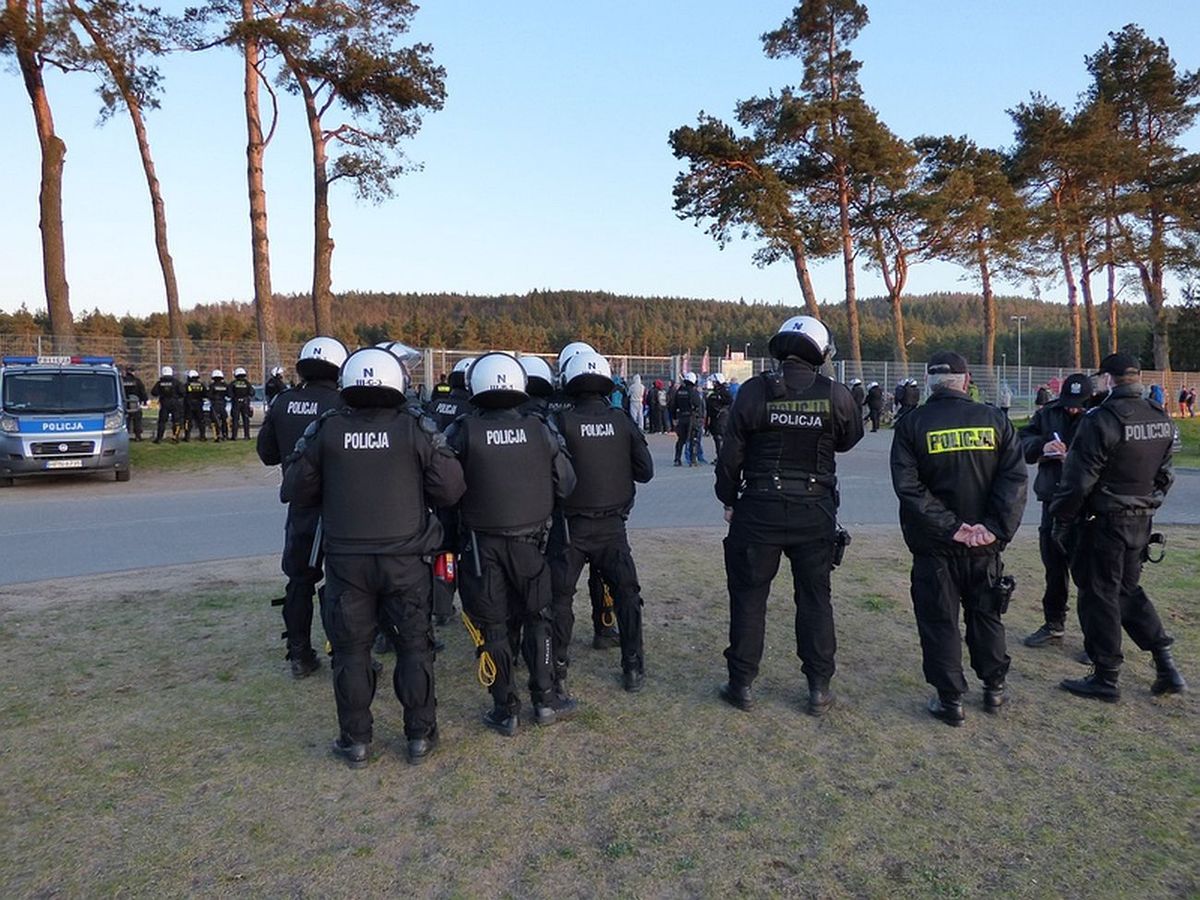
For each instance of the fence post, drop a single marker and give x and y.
(158, 355)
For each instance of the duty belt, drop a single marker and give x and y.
(806, 483)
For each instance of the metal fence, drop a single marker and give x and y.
(148, 355)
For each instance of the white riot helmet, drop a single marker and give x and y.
(192, 373)
(217, 373)
(277, 370)
(373, 377)
(539, 380)
(587, 372)
(570, 350)
(497, 381)
(167, 372)
(805, 337)
(689, 377)
(458, 375)
(239, 372)
(406, 354)
(718, 378)
(873, 384)
(321, 357)
(854, 381)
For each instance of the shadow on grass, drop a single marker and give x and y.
(153, 744)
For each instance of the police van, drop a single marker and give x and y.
(61, 414)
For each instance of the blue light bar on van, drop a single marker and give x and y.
(57, 360)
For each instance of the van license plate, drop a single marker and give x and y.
(64, 464)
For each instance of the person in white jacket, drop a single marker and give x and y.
(637, 394)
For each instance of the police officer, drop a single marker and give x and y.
(1045, 441)
(539, 384)
(135, 396)
(169, 391)
(717, 406)
(285, 422)
(560, 399)
(194, 395)
(275, 385)
(241, 396)
(514, 469)
(960, 477)
(874, 404)
(775, 476)
(373, 468)
(609, 454)
(446, 406)
(1117, 473)
(857, 392)
(218, 397)
(688, 407)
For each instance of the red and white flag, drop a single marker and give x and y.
(704, 362)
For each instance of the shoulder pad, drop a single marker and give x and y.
(424, 422)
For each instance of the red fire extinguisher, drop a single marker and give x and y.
(443, 567)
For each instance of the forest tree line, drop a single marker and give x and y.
(1089, 196)
(639, 326)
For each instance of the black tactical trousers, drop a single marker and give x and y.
(1058, 571)
(364, 593)
(940, 584)
(133, 422)
(603, 609)
(241, 416)
(874, 415)
(762, 529)
(220, 424)
(298, 533)
(172, 410)
(1107, 565)
(194, 418)
(508, 585)
(683, 435)
(602, 543)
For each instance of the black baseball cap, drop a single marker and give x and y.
(1076, 389)
(947, 362)
(1119, 364)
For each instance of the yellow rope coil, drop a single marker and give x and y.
(608, 618)
(487, 665)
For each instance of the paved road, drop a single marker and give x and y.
(66, 527)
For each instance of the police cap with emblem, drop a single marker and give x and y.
(1076, 389)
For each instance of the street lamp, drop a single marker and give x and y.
(746, 352)
(1018, 320)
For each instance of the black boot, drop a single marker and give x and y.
(418, 749)
(606, 638)
(947, 707)
(738, 695)
(554, 709)
(995, 695)
(1169, 681)
(633, 679)
(304, 661)
(355, 755)
(1050, 633)
(820, 697)
(1100, 684)
(561, 691)
(500, 720)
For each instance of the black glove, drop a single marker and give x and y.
(1062, 535)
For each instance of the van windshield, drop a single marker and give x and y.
(59, 392)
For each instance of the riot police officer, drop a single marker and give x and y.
(194, 395)
(1117, 473)
(135, 396)
(874, 404)
(514, 469)
(373, 468)
(1045, 441)
(776, 477)
(609, 454)
(960, 477)
(717, 407)
(539, 384)
(858, 392)
(241, 396)
(275, 385)
(560, 400)
(286, 420)
(169, 391)
(218, 396)
(688, 408)
(446, 406)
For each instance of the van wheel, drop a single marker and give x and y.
(123, 474)
(6, 482)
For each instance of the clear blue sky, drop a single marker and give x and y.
(549, 166)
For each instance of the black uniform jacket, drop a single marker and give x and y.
(609, 454)
(956, 461)
(1051, 419)
(748, 422)
(287, 419)
(1120, 461)
(375, 473)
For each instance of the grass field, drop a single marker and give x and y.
(1189, 431)
(154, 746)
(147, 456)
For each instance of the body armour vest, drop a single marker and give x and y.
(241, 390)
(219, 392)
(292, 411)
(196, 392)
(1146, 434)
(373, 480)
(167, 389)
(508, 470)
(794, 440)
(599, 443)
(444, 408)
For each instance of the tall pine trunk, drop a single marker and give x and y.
(54, 152)
(264, 300)
(1110, 268)
(1072, 300)
(1089, 306)
(989, 305)
(120, 77)
(800, 261)
(848, 270)
(322, 283)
